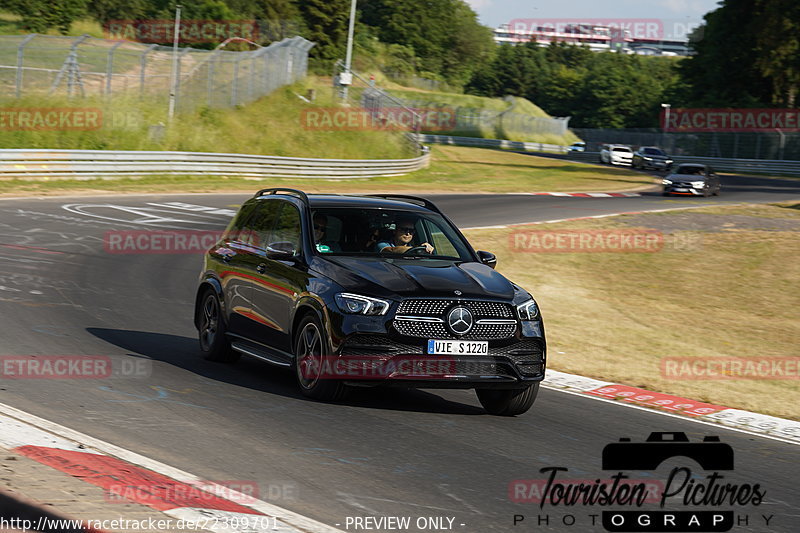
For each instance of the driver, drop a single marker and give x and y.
(401, 239)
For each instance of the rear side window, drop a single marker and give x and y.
(287, 227)
(238, 228)
(260, 226)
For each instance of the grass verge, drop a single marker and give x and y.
(725, 284)
(453, 169)
(272, 125)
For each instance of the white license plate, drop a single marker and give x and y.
(681, 190)
(437, 347)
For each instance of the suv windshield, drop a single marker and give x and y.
(386, 232)
(620, 149)
(690, 171)
(653, 151)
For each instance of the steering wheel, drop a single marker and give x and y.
(416, 249)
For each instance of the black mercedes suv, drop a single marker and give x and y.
(368, 290)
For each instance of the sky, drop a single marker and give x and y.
(495, 12)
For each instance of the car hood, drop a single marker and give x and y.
(685, 177)
(659, 157)
(417, 277)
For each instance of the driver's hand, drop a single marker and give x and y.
(428, 247)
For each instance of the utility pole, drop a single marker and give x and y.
(173, 86)
(346, 78)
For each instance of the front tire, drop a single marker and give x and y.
(508, 402)
(310, 354)
(214, 344)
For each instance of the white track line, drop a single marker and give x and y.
(641, 212)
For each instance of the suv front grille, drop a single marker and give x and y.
(437, 308)
(425, 328)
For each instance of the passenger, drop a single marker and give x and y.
(320, 228)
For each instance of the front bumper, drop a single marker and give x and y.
(655, 165)
(510, 363)
(686, 191)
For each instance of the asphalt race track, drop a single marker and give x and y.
(382, 452)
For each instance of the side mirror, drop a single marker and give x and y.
(487, 258)
(281, 250)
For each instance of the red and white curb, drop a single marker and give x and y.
(667, 404)
(176, 493)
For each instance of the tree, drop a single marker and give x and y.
(777, 49)
(327, 22)
(444, 34)
(722, 72)
(38, 16)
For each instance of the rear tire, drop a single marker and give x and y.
(508, 402)
(214, 344)
(311, 349)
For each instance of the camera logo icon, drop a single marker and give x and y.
(710, 454)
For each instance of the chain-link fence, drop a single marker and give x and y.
(505, 124)
(86, 66)
(443, 118)
(777, 146)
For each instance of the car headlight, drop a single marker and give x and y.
(666, 182)
(355, 304)
(647, 158)
(528, 310)
(668, 161)
(698, 184)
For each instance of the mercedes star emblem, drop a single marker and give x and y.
(460, 320)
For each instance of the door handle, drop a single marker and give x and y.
(261, 268)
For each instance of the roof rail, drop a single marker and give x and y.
(408, 198)
(280, 190)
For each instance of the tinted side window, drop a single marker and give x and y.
(288, 226)
(263, 221)
(237, 229)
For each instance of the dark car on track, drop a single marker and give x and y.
(651, 157)
(368, 290)
(692, 179)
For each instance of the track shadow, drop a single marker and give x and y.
(183, 352)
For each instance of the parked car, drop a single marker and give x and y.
(692, 179)
(577, 147)
(651, 157)
(324, 284)
(616, 154)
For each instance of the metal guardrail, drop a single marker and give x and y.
(90, 164)
(492, 143)
(754, 166)
(767, 167)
